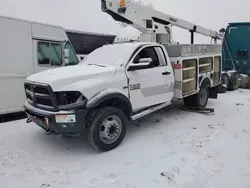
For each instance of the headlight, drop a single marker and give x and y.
(70, 99)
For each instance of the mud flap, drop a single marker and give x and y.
(213, 92)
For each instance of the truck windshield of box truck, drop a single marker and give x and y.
(236, 48)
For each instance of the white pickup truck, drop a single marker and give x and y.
(118, 83)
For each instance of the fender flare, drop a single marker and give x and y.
(106, 95)
(204, 80)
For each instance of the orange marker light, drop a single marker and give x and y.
(122, 3)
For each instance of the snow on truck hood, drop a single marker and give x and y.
(63, 77)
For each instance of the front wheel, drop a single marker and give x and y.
(108, 129)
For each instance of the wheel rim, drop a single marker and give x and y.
(110, 129)
(203, 96)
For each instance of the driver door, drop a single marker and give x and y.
(153, 84)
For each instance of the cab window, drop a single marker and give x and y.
(161, 55)
(148, 52)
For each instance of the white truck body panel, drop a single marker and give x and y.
(16, 63)
(18, 49)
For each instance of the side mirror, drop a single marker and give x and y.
(145, 60)
(143, 64)
(66, 56)
(222, 30)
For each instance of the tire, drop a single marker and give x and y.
(108, 129)
(198, 100)
(222, 89)
(234, 83)
(225, 81)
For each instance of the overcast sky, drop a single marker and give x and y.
(86, 15)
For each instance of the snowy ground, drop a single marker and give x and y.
(170, 148)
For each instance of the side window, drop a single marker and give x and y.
(56, 54)
(161, 56)
(43, 53)
(148, 52)
(50, 53)
(73, 60)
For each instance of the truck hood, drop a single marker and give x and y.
(62, 78)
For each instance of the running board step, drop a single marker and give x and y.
(150, 110)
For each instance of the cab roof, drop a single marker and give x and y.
(238, 23)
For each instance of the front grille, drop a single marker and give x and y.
(41, 96)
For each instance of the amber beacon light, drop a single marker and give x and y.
(122, 3)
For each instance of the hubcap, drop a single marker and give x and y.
(203, 96)
(110, 129)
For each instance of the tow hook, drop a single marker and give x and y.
(28, 120)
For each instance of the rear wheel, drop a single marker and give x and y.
(225, 82)
(234, 81)
(108, 129)
(198, 100)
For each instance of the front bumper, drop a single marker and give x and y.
(62, 122)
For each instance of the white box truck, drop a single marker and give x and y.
(27, 48)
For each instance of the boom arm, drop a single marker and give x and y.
(148, 20)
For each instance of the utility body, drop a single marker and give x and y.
(121, 82)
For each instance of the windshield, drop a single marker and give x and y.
(236, 48)
(237, 39)
(115, 55)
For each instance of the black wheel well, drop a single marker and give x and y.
(206, 82)
(118, 103)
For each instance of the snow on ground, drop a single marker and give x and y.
(171, 148)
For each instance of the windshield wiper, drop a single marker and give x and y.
(97, 65)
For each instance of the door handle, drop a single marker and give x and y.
(166, 73)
